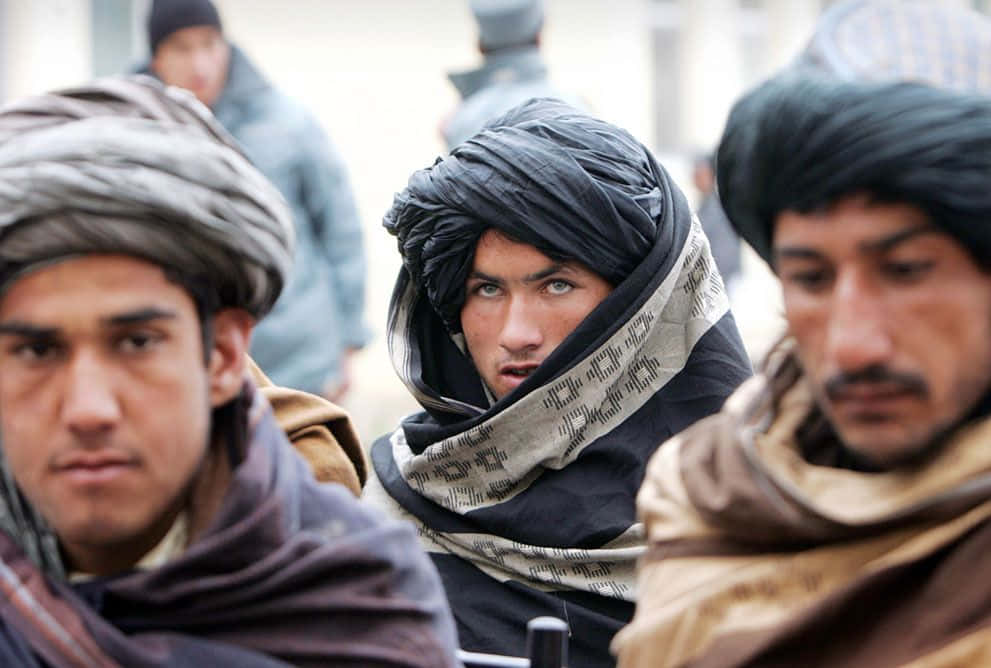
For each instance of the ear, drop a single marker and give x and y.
(231, 338)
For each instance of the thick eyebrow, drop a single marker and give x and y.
(796, 252)
(27, 331)
(544, 273)
(530, 278)
(482, 276)
(887, 243)
(872, 247)
(139, 316)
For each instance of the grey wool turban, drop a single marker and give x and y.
(127, 165)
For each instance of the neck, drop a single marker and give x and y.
(103, 559)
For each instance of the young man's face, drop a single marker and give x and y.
(105, 398)
(519, 306)
(196, 59)
(893, 323)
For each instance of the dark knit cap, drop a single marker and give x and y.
(168, 16)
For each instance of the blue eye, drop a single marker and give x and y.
(559, 287)
(486, 290)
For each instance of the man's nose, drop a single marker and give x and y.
(857, 334)
(202, 62)
(521, 329)
(89, 405)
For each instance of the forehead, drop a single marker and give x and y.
(192, 35)
(854, 223)
(91, 287)
(495, 252)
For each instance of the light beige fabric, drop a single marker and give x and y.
(748, 543)
(319, 430)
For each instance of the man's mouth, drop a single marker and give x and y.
(89, 468)
(872, 400)
(514, 374)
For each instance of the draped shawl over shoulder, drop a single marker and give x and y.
(289, 572)
(758, 557)
(527, 503)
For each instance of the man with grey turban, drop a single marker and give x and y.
(557, 316)
(151, 510)
(843, 496)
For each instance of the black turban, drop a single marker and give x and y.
(803, 140)
(544, 174)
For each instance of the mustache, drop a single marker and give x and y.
(876, 374)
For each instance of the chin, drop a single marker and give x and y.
(97, 529)
(888, 454)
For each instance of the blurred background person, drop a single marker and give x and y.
(513, 70)
(723, 239)
(307, 340)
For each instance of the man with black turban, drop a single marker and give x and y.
(837, 512)
(152, 513)
(557, 316)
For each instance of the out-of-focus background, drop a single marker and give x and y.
(374, 74)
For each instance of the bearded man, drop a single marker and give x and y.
(557, 316)
(837, 512)
(151, 510)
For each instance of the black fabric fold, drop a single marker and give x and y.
(804, 139)
(545, 175)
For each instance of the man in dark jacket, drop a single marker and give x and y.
(308, 338)
(151, 510)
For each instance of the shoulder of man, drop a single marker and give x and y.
(320, 431)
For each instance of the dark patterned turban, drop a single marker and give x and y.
(544, 174)
(126, 165)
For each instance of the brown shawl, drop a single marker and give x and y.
(759, 558)
(320, 431)
(287, 571)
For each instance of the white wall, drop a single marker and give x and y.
(46, 44)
